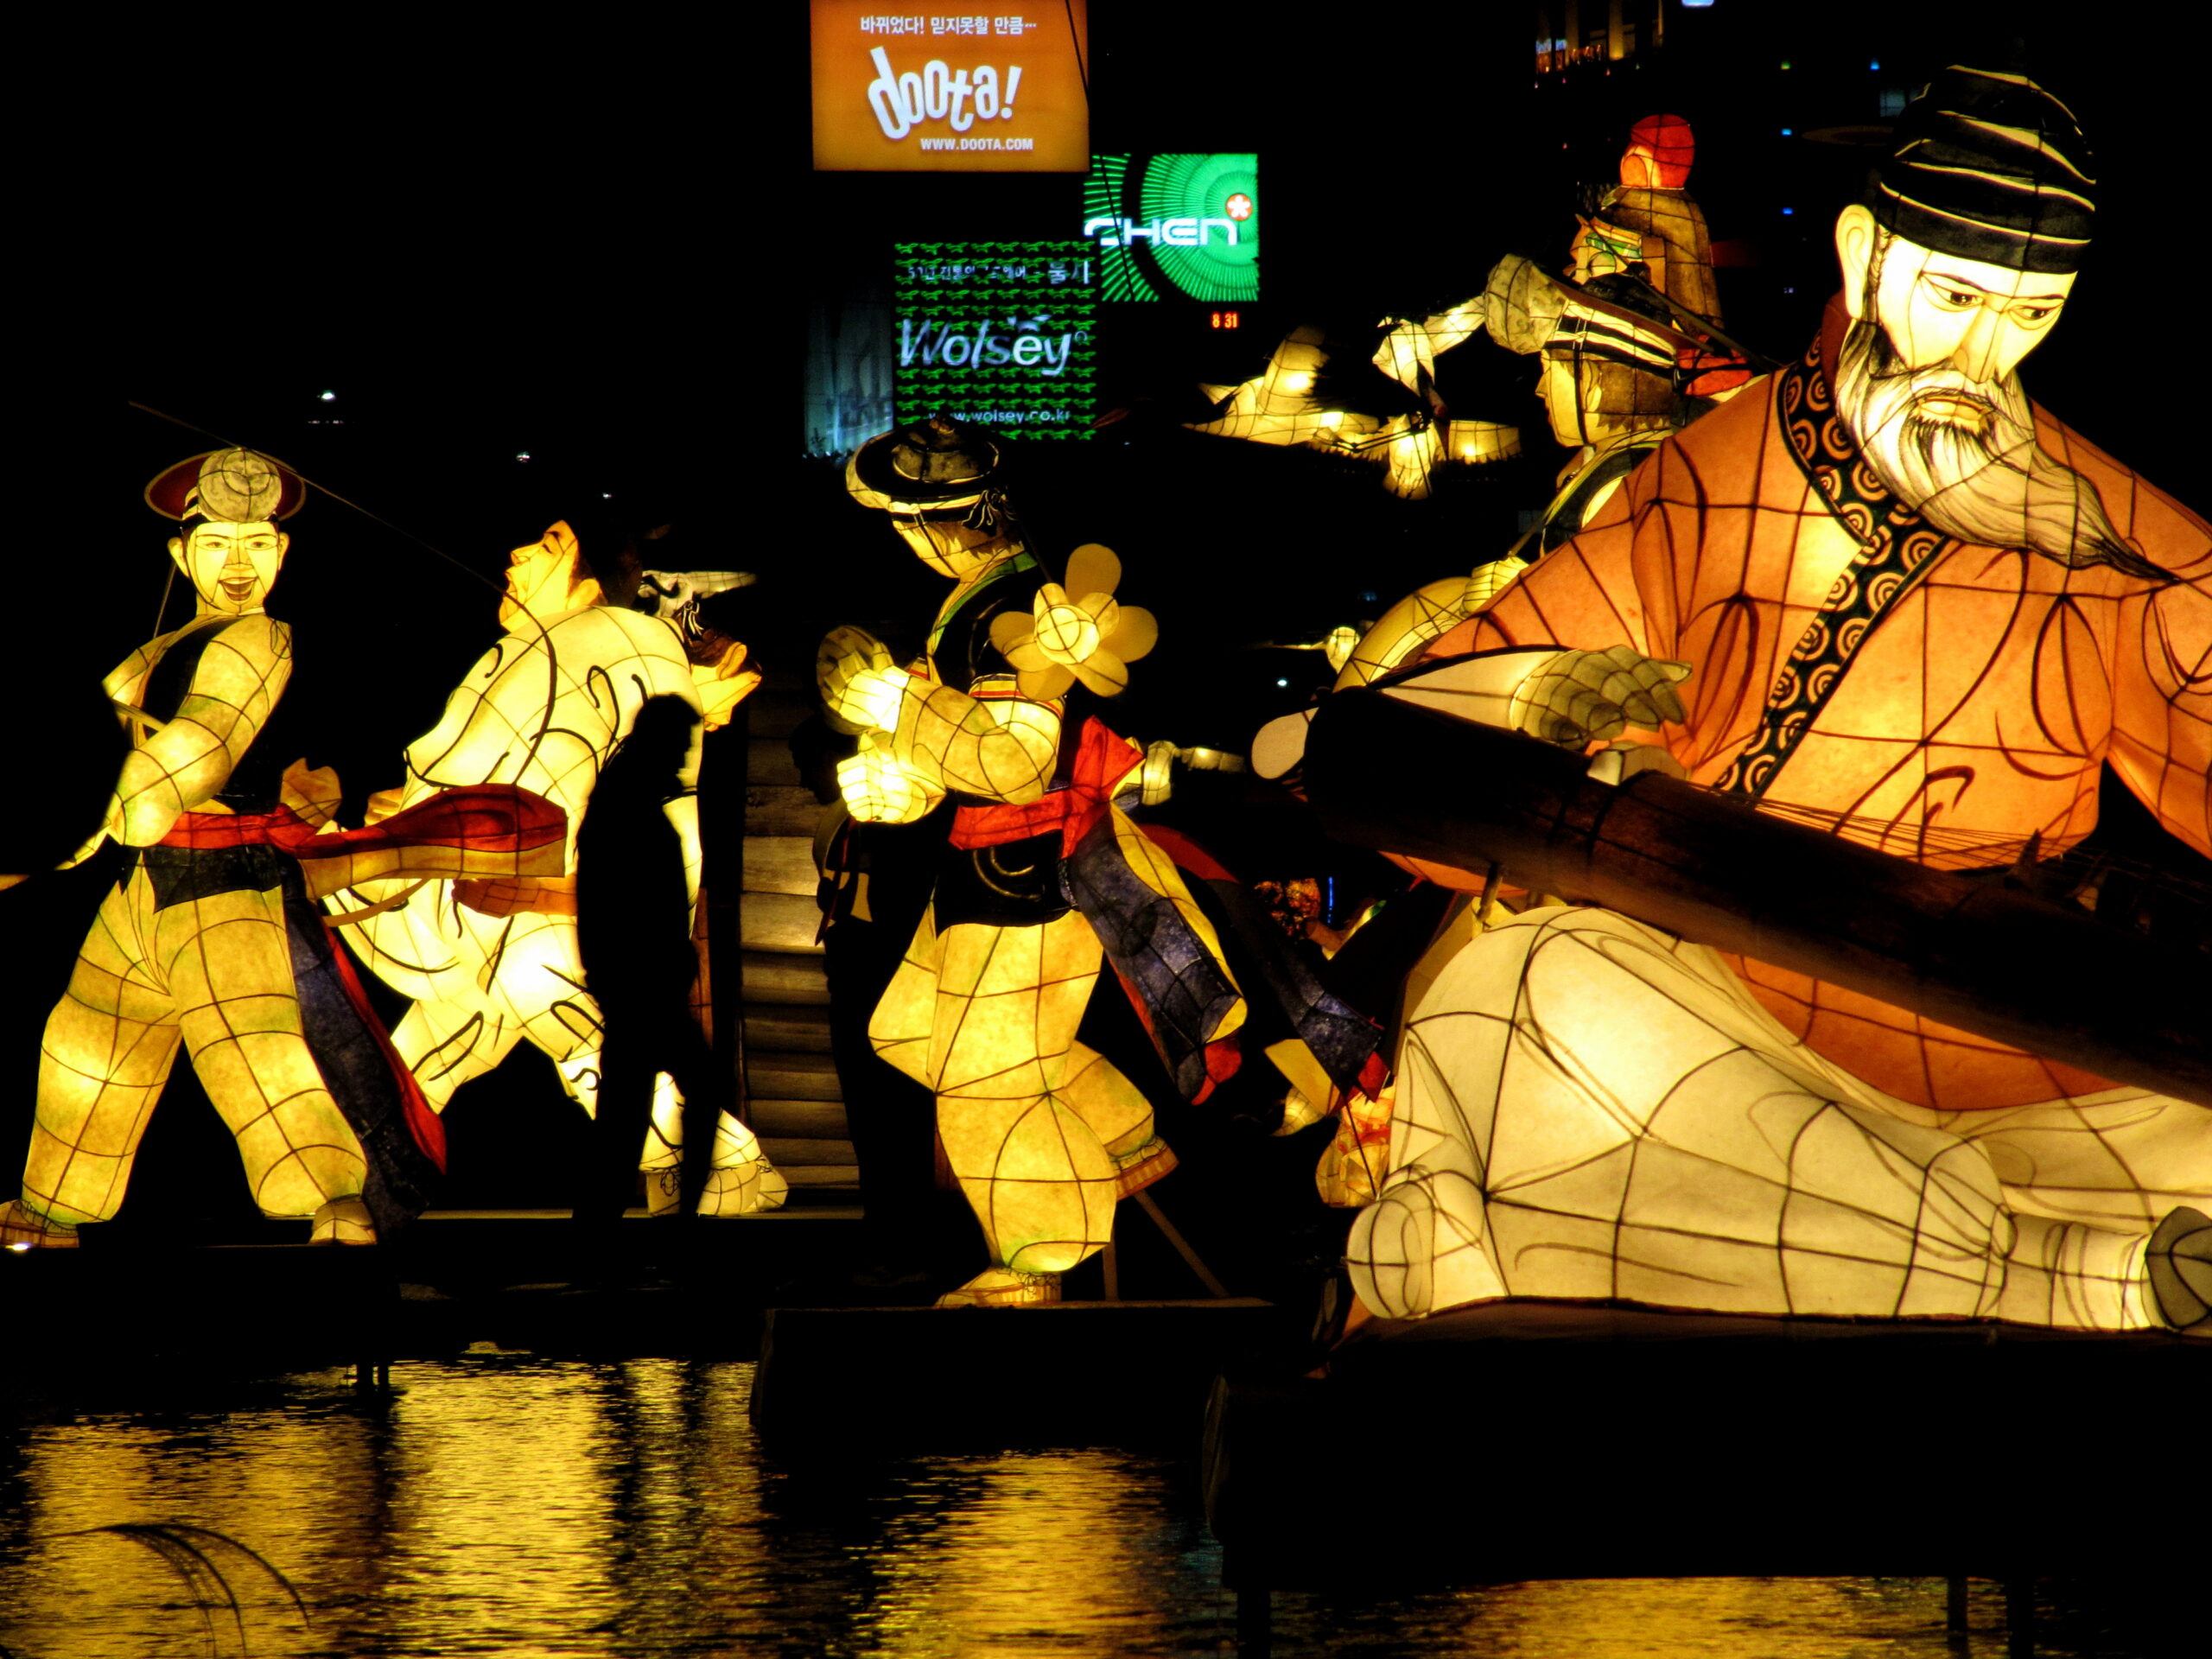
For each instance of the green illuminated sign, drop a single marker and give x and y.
(1165, 226)
(997, 333)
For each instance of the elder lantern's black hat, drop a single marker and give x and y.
(1986, 165)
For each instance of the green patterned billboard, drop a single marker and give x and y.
(997, 333)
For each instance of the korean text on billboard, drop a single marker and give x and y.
(928, 89)
(997, 333)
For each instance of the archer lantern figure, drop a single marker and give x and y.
(491, 963)
(209, 939)
(1609, 383)
(1042, 869)
(1883, 594)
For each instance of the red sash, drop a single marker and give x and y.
(488, 818)
(1102, 761)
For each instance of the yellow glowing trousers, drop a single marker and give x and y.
(214, 973)
(1043, 1134)
(1587, 1108)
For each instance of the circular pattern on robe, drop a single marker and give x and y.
(1920, 545)
(1815, 642)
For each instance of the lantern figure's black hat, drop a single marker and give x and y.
(934, 463)
(1986, 165)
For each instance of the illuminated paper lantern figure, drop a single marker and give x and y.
(1649, 220)
(1883, 594)
(1043, 873)
(209, 939)
(489, 964)
(1649, 226)
(1279, 405)
(1607, 383)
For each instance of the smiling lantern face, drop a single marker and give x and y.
(231, 566)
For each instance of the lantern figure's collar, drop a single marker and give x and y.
(239, 486)
(934, 463)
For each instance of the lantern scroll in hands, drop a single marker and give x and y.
(1042, 874)
(1882, 596)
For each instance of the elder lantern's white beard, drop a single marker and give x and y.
(1984, 480)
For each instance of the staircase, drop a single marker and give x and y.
(796, 1106)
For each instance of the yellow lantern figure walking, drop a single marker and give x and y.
(190, 947)
(1042, 873)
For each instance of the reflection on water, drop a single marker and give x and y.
(500, 1504)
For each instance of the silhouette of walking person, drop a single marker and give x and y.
(634, 925)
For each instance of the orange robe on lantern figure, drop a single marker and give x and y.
(1881, 593)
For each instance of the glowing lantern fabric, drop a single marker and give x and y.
(1042, 874)
(490, 965)
(208, 942)
(1930, 698)
(1588, 1107)
(1885, 595)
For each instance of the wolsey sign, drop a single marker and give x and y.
(930, 89)
(997, 333)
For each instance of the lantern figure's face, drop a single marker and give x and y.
(541, 578)
(948, 544)
(1940, 311)
(231, 566)
(1560, 392)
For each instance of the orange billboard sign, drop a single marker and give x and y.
(926, 89)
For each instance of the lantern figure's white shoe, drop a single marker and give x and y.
(744, 1189)
(1004, 1287)
(24, 1229)
(343, 1221)
(2180, 1260)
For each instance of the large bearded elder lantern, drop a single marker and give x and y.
(1956, 264)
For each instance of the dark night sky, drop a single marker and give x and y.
(596, 244)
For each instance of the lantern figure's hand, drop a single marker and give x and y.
(1580, 695)
(879, 790)
(859, 689)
